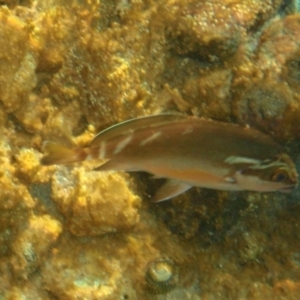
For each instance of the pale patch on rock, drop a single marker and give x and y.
(95, 203)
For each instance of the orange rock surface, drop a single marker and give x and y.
(71, 68)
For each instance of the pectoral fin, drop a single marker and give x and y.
(169, 190)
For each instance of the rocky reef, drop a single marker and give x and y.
(69, 69)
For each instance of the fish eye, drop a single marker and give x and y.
(279, 177)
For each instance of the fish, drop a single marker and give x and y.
(188, 151)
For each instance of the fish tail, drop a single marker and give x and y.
(59, 154)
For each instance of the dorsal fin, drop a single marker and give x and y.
(129, 126)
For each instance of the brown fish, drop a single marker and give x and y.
(189, 152)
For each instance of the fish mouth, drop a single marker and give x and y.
(287, 189)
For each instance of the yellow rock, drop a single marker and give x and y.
(95, 203)
(32, 244)
(16, 59)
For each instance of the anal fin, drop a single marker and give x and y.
(169, 190)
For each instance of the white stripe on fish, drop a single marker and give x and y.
(187, 130)
(102, 151)
(241, 160)
(150, 138)
(122, 144)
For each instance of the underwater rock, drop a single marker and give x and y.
(265, 90)
(288, 289)
(28, 166)
(32, 115)
(291, 71)
(201, 32)
(72, 68)
(213, 31)
(251, 245)
(61, 124)
(19, 293)
(89, 268)
(279, 50)
(17, 62)
(16, 3)
(16, 203)
(83, 197)
(289, 7)
(31, 246)
(209, 93)
(264, 106)
(13, 193)
(99, 72)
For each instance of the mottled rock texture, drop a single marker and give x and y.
(70, 68)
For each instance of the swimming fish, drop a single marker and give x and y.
(189, 151)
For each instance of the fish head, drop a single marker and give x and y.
(270, 175)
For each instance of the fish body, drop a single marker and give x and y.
(189, 152)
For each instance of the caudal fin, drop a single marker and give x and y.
(58, 154)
